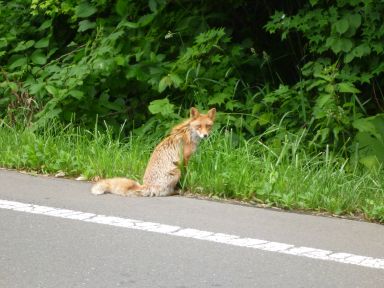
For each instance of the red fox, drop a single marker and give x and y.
(163, 170)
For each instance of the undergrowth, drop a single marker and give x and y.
(223, 167)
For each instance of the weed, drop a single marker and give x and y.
(223, 166)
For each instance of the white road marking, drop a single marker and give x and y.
(228, 239)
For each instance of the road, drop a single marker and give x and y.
(54, 233)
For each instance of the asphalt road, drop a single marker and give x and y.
(38, 250)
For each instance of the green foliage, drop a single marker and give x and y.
(342, 74)
(222, 167)
(144, 63)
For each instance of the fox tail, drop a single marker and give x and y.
(120, 186)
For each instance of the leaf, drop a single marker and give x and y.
(370, 140)
(24, 45)
(339, 44)
(313, 2)
(354, 20)
(38, 57)
(46, 24)
(176, 80)
(36, 88)
(146, 19)
(349, 57)
(364, 125)
(17, 63)
(85, 25)
(52, 90)
(162, 106)
(152, 5)
(76, 94)
(121, 7)
(129, 24)
(323, 99)
(219, 98)
(346, 87)
(346, 45)
(42, 43)
(370, 161)
(361, 50)
(330, 42)
(165, 82)
(84, 10)
(342, 25)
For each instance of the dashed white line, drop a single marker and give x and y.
(222, 238)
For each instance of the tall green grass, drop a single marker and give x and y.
(224, 166)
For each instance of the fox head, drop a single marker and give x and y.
(201, 124)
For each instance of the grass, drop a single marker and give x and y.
(223, 167)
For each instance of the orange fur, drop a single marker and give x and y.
(163, 170)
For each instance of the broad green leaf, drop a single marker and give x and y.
(370, 161)
(24, 45)
(36, 88)
(364, 125)
(313, 2)
(265, 118)
(165, 82)
(346, 87)
(337, 46)
(176, 80)
(162, 106)
(52, 90)
(38, 57)
(122, 7)
(76, 94)
(323, 99)
(42, 43)
(330, 41)
(354, 20)
(17, 63)
(349, 57)
(346, 45)
(85, 25)
(13, 86)
(120, 60)
(342, 25)
(152, 5)
(219, 98)
(84, 10)
(46, 24)
(146, 19)
(361, 50)
(341, 44)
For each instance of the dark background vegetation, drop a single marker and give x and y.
(313, 68)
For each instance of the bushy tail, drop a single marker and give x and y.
(120, 186)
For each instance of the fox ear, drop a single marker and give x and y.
(212, 113)
(194, 113)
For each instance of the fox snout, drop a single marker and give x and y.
(203, 135)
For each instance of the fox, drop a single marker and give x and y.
(163, 170)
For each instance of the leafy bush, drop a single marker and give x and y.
(342, 73)
(143, 62)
